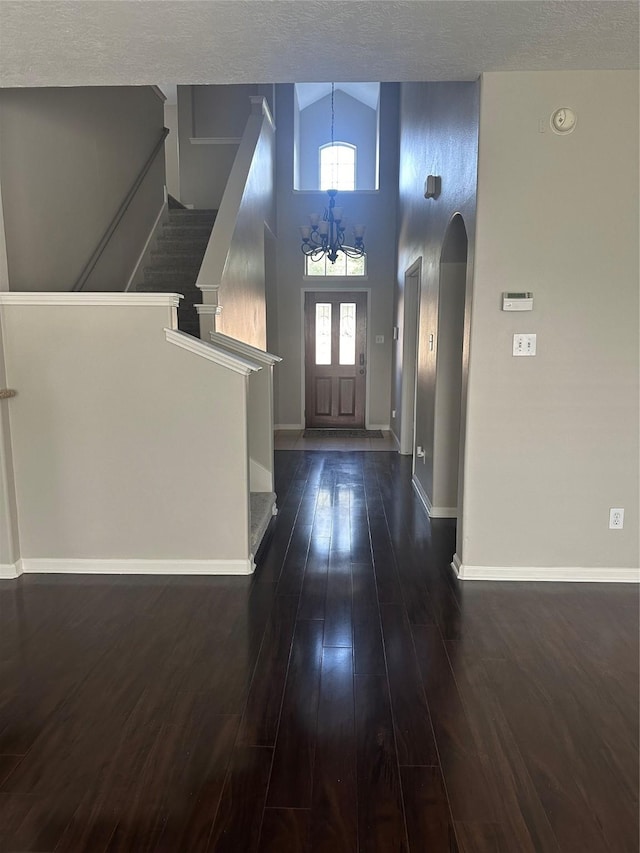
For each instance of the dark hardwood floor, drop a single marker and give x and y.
(351, 696)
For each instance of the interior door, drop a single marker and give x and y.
(335, 359)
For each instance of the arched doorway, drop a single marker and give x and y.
(448, 432)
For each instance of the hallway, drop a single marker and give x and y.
(350, 696)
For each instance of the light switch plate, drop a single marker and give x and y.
(379, 339)
(524, 344)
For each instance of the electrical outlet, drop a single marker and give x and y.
(393, 413)
(616, 518)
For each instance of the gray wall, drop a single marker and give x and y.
(171, 161)
(553, 440)
(439, 136)
(242, 292)
(377, 210)
(211, 112)
(355, 123)
(67, 159)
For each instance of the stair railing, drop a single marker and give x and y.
(108, 234)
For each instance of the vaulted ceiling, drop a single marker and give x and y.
(113, 42)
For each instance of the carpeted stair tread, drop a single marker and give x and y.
(262, 508)
(177, 254)
(186, 212)
(191, 231)
(175, 262)
(169, 245)
(159, 274)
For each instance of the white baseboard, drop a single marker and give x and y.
(424, 499)
(148, 246)
(381, 427)
(137, 567)
(443, 512)
(10, 571)
(288, 426)
(260, 479)
(560, 574)
(396, 440)
(432, 511)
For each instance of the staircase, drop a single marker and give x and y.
(176, 261)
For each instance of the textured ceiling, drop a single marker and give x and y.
(111, 42)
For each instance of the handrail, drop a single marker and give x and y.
(108, 234)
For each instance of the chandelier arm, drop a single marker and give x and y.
(353, 251)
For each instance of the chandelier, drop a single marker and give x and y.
(326, 236)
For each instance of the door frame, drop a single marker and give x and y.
(346, 288)
(410, 346)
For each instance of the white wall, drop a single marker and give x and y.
(377, 210)
(552, 441)
(355, 123)
(68, 157)
(124, 446)
(438, 136)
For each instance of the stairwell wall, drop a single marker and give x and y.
(215, 117)
(68, 157)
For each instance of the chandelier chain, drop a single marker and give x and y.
(326, 238)
(333, 115)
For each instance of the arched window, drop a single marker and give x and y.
(338, 166)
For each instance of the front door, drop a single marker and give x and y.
(335, 359)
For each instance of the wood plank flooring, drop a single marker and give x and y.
(350, 696)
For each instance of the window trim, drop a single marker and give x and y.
(345, 277)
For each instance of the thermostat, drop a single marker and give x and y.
(517, 301)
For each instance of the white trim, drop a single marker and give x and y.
(561, 574)
(137, 567)
(424, 498)
(321, 193)
(157, 91)
(147, 245)
(259, 104)
(431, 510)
(261, 356)
(260, 478)
(149, 300)
(215, 140)
(381, 427)
(211, 353)
(10, 571)
(456, 565)
(208, 288)
(288, 426)
(443, 512)
(209, 309)
(395, 439)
